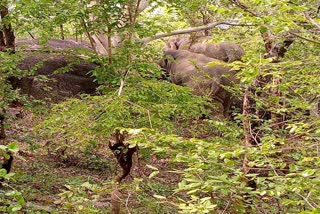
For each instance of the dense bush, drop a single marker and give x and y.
(79, 126)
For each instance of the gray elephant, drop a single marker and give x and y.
(225, 51)
(192, 70)
(178, 43)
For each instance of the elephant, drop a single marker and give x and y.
(49, 73)
(178, 43)
(192, 70)
(225, 51)
(77, 80)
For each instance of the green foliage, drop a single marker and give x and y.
(79, 199)
(8, 68)
(131, 59)
(11, 200)
(149, 104)
(209, 155)
(158, 19)
(212, 172)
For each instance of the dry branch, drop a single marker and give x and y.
(312, 21)
(189, 30)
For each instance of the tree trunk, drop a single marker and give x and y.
(101, 41)
(7, 30)
(2, 130)
(2, 41)
(248, 111)
(62, 32)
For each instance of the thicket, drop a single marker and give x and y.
(216, 170)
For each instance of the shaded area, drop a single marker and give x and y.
(57, 86)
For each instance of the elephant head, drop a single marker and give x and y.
(225, 51)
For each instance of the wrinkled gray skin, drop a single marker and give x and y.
(225, 51)
(191, 70)
(178, 43)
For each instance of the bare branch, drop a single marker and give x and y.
(244, 7)
(311, 20)
(121, 87)
(84, 25)
(303, 38)
(306, 200)
(189, 30)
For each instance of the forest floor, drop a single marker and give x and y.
(50, 185)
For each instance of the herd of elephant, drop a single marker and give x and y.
(187, 64)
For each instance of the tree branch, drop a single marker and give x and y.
(244, 7)
(303, 38)
(84, 25)
(311, 20)
(189, 30)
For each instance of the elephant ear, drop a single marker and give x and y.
(163, 62)
(172, 46)
(166, 60)
(172, 53)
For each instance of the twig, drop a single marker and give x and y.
(244, 7)
(121, 87)
(30, 34)
(306, 200)
(148, 112)
(127, 202)
(122, 83)
(269, 169)
(303, 38)
(225, 209)
(311, 20)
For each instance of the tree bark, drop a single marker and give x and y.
(62, 31)
(109, 46)
(2, 130)
(2, 41)
(7, 30)
(84, 25)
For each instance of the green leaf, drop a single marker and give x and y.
(16, 208)
(308, 172)
(13, 147)
(3, 172)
